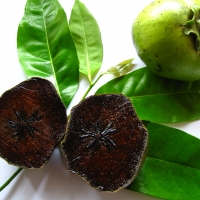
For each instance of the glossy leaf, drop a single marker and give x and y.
(172, 167)
(173, 145)
(46, 48)
(86, 34)
(167, 181)
(158, 99)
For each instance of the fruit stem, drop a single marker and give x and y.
(10, 179)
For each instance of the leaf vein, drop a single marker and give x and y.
(49, 51)
(86, 46)
(173, 93)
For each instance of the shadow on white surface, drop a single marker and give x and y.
(54, 182)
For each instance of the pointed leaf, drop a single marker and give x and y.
(86, 34)
(46, 48)
(158, 99)
(172, 167)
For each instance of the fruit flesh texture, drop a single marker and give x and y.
(34, 96)
(105, 166)
(161, 43)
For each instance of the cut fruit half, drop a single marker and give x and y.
(32, 121)
(105, 143)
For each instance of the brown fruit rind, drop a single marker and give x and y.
(32, 121)
(105, 143)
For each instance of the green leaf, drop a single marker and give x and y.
(121, 69)
(172, 167)
(158, 99)
(86, 34)
(46, 48)
(173, 145)
(167, 181)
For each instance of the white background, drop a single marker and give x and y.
(53, 182)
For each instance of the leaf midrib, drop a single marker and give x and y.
(163, 94)
(86, 47)
(49, 51)
(167, 162)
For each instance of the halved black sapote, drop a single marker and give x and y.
(32, 121)
(105, 142)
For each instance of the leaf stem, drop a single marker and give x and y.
(10, 179)
(92, 85)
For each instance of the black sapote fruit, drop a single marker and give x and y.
(105, 142)
(32, 121)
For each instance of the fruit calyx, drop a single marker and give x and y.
(192, 26)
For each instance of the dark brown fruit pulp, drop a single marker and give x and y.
(105, 142)
(32, 121)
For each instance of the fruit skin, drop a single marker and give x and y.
(159, 38)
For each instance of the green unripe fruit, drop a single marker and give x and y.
(166, 37)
